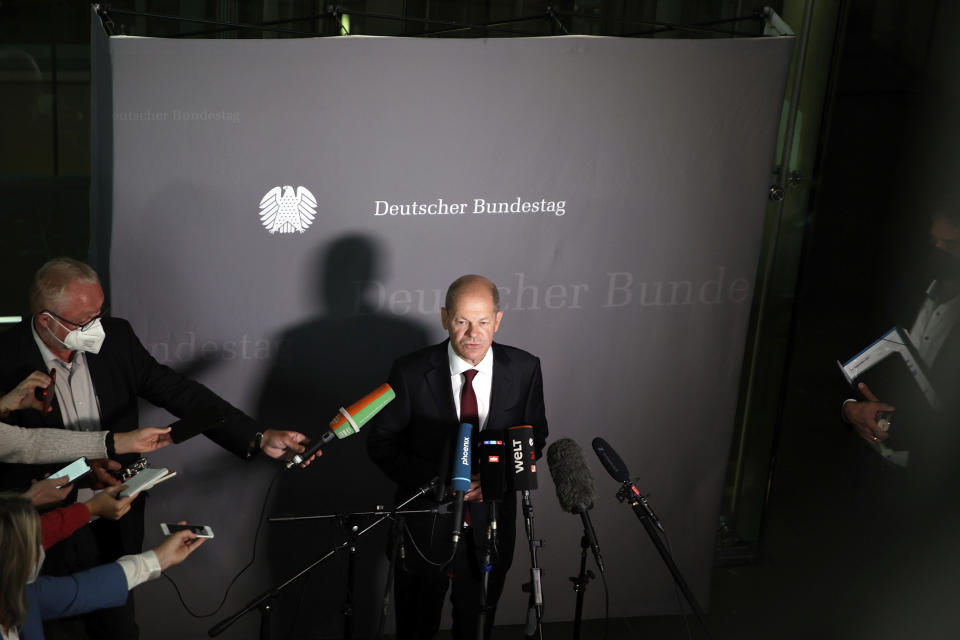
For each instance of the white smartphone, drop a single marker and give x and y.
(76, 469)
(201, 530)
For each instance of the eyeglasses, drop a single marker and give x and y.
(81, 326)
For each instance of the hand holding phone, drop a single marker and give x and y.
(199, 530)
(76, 469)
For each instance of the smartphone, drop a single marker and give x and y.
(201, 530)
(76, 469)
(46, 394)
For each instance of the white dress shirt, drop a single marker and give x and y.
(482, 382)
(76, 396)
(933, 324)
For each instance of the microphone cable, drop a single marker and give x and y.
(253, 557)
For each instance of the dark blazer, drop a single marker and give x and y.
(410, 440)
(122, 373)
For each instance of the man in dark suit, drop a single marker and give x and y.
(102, 370)
(438, 388)
(935, 333)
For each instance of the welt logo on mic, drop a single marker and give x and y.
(518, 456)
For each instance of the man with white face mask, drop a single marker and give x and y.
(102, 371)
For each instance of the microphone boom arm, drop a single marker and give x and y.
(629, 493)
(263, 601)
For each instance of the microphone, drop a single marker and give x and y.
(491, 457)
(522, 458)
(618, 470)
(610, 460)
(574, 485)
(460, 476)
(348, 421)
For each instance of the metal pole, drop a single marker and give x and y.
(772, 249)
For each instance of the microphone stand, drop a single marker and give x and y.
(580, 585)
(533, 587)
(397, 554)
(487, 565)
(629, 493)
(264, 601)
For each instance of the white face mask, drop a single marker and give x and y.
(89, 340)
(36, 570)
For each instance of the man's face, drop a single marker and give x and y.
(81, 303)
(471, 323)
(945, 236)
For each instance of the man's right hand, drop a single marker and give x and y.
(863, 415)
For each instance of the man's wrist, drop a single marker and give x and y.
(4, 409)
(256, 445)
(110, 443)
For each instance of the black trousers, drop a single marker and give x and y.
(419, 590)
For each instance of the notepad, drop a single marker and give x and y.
(146, 479)
(891, 367)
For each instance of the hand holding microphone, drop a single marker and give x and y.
(347, 422)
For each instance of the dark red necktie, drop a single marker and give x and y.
(469, 413)
(468, 401)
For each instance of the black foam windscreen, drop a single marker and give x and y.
(610, 460)
(491, 456)
(521, 459)
(571, 476)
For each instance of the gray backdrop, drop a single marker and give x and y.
(652, 158)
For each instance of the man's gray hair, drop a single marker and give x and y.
(51, 280)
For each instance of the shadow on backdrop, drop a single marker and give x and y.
(323, 364)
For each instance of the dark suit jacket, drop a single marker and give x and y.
(122, 373)
(410, 440)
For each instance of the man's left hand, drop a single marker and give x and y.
(474, 493)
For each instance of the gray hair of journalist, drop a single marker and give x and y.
(50, 282)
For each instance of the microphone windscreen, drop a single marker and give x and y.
(492, 459)
(460, 474)
(571, 476)
(521, 458)
(610, 460)
(361, 411)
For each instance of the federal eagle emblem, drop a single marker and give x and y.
(287, 211)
